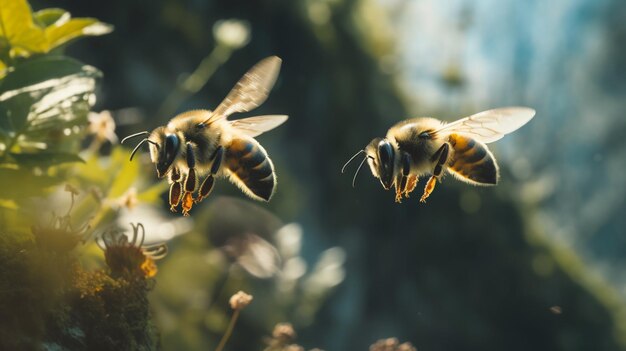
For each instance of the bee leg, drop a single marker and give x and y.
(205, 188)
(401, 180)
(175, 189)
(174, 175)
(410, 185)
(399, 185)
(430, 186)
(442, 157)
(408, 181)
(187, 203)
(190, 181)
(174, 198)
(207, 184)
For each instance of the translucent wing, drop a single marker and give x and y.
(250, 91)
(258, 125)
(489, 126)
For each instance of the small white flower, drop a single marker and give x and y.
(289, 240)
(102, 126)
(259, 257)
(328, 271)
(232, 33)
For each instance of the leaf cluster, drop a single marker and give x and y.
(45, 97)
(24, 33)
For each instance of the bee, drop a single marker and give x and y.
(426, 146)
(204, 143)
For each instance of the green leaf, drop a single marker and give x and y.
(39, 100)
(48, 17)
(93, 173)
(23, 33)
(8, 204)
(15, 114)
(45, 159)
(46, 92)
(19, 29)
(20, 183)
(125, 173)
(153, 193)
(44, 69)
(59, 34)
(3, 69)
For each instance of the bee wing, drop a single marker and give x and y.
(489, 126)
(250, 91)
(258, 125)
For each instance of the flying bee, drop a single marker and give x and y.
(426, 146)
(204, 143)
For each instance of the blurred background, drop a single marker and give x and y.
(535, 263)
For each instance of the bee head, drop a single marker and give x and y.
(164, 148)
(166, 153)
(155, 140)
(381, 159)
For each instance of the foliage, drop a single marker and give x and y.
(24, 33)
(44, 97)
(238, 245)
(462, 270)
(47, 298)
(51, 151)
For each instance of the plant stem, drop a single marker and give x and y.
(220, 284)
(194, 81)
(229, 331)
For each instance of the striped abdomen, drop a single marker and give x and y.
(251, 169)
(472, 161)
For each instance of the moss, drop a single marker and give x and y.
(47, 300)
(114, 313)
(33, 283)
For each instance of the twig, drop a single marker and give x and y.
(195, 81)
(229, 331)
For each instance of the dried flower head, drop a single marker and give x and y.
(132, 257)
(60, 235)
(284, 332)
(232, 33)
(71, 189)
(129, 199)
(293, 347)
(391, 344)
(282, 337)
(102, 126)
(240, 300)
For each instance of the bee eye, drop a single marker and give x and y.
(386, 163)
(424, 135)
(385, 154)
(167, 154)
(171, 146)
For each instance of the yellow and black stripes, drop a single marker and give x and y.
(251, 167)
(472, 161)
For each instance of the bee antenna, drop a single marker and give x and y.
(134, 135)
(132, 154)
(153, 143)
(350, 160)
(358, 169)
